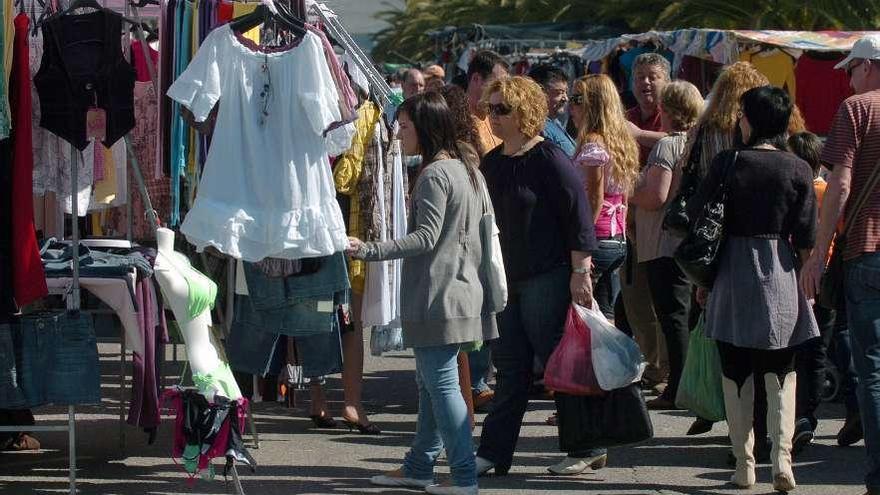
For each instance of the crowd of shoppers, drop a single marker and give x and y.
(582, 205)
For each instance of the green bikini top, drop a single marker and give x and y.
(202, 291)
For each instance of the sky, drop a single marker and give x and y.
(357, 15)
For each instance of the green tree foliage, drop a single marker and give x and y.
(406, 35)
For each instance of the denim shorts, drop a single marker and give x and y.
(59, 359)
(299, 318)
(11, 395)
(257, 350)
(272, 293)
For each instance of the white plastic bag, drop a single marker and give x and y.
(617, 359)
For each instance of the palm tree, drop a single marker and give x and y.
(407, 36)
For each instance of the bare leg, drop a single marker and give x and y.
(318, 403)
(353, 367)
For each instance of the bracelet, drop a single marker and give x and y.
(580, 270)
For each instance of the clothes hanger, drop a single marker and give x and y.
(262, 14)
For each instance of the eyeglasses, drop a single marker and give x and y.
(849, 69)
(576, 99)
(499, 109)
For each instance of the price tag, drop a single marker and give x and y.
(96, 124)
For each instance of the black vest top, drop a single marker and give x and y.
(83, 67)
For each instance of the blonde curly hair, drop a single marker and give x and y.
(720, 114)
(526, 100)
(603, 117)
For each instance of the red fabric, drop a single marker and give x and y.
(140, 63)
(820, 91)
(28, 278)
(224, 12)
(634, 115)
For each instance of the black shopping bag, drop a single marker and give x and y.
(619, 417)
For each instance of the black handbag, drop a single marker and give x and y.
(676, 220)
(618, 417)
(697, 255)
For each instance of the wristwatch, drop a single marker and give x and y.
(580, 270)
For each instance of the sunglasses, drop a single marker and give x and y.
(849, 69)
(499, 109)
(576, 99)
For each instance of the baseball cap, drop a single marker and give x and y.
(868, 47)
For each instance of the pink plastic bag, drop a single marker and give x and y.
(570, 368)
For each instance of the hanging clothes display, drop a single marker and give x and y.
(266, 190)
(28, 277)
(144, 142)
(347, 172)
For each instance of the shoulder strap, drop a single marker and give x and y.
(862, 198)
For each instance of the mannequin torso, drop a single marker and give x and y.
(172, 273)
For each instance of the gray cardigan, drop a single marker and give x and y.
(441, 293)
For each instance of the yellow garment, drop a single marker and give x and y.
(488, 139)
(346, 174)
(240, 9)
(107, 188)
(776, 65)
(97, 219)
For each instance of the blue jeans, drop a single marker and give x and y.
(606, 279)
(478, 362)
(863, 310)
(531, 325)
(443, 418)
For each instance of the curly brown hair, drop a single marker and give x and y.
(465, 128)
(527, 100)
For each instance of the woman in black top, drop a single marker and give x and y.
(546, 238)
(756, 310)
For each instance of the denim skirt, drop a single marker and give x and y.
(59, 359)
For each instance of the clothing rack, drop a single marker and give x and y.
(381, 90)
(73, 298)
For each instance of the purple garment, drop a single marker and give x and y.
(144, 409)
(348, 98)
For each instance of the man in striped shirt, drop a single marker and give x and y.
(852, 152)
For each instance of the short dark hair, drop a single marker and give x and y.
(483, 63)
(768, 109)
(807, 146)
(545, 74)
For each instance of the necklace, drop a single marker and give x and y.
(522, 149)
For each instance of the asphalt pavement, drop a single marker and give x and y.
(296, 458)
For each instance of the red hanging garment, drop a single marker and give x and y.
(28, 278)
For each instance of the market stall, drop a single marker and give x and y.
(800, 61)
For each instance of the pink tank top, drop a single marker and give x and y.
(612, 218)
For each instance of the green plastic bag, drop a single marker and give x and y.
(700, 387)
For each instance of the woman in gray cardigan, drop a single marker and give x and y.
(443, 303)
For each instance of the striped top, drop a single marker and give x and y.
(854, 141)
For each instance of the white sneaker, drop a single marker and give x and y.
(396, 478)
(574, 465)
(453, 490)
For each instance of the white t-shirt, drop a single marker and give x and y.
(267, 188)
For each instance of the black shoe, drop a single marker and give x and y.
(803, 436)
(851, 432)
(323, 421)
(700, 426)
